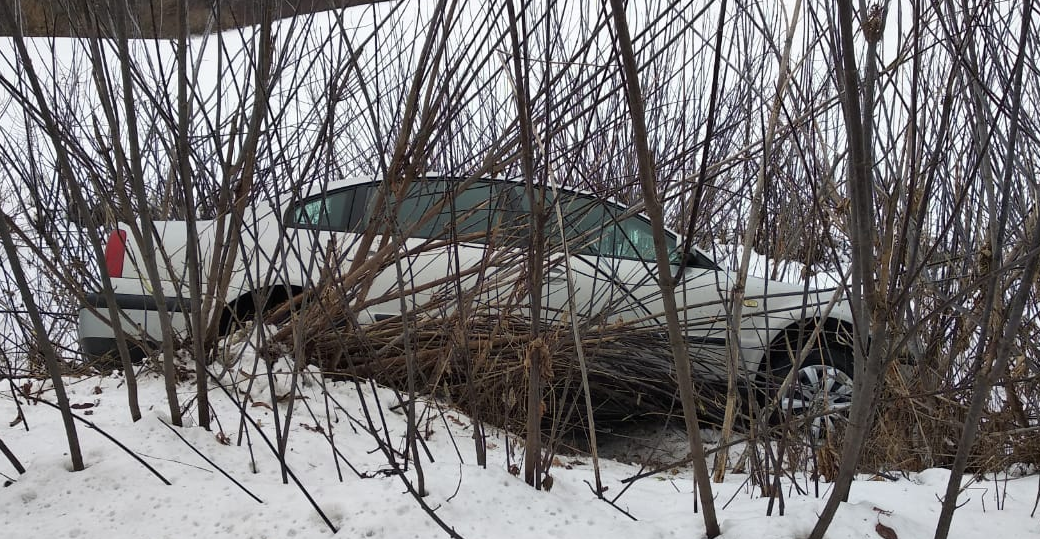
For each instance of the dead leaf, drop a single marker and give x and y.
(97, 390)
(82, 406)
(223, 438)
(18, 419)
(261, 404)
(514, 469)
(885, 532)
(313, 429)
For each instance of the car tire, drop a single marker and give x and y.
(820, 394)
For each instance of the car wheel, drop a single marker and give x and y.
(820, 394)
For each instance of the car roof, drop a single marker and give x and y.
(315, 188)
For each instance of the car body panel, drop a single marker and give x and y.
(612, 275)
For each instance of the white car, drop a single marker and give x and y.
(480, 235)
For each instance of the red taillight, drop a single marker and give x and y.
(114, 251)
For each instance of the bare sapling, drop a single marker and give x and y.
(46, 348)
(665, 279)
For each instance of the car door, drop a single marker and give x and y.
(620, 249)
(600, 277)
(454, 246)
(322, 231)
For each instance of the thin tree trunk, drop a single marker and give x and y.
(183, 155)
(755, 212)
(108, 103)
(870, 321)
(228, 234)
(579, 347)
(412, 434)
(533, 445)
(147, 230)
(11, 458)
(42, 341)
(634, 95)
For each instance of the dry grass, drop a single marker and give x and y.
(916, 430)
(478, 362)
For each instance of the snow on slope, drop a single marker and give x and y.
(116, 497)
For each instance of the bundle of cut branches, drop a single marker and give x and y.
(479, 362)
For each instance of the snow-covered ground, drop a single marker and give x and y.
(117, 497)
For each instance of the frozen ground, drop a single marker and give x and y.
(117, 497)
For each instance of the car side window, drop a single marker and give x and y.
(338, 211)
(599, 228)
(474, 211)
(637, 239)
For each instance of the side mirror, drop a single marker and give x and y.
(688, 259)
(683, 262)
